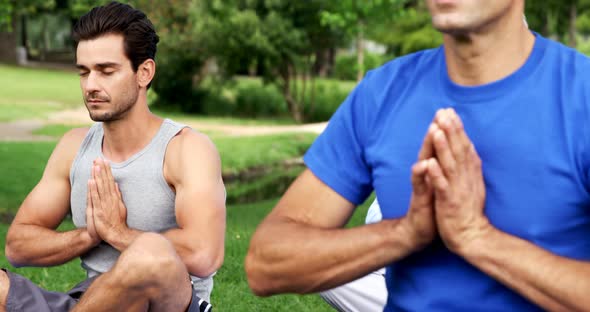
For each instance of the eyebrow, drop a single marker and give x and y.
(100, 66)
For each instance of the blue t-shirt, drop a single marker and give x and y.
(532, 132)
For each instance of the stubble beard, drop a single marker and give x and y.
(119, 110)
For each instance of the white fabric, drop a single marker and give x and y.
(368, 293)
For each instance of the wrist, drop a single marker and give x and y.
(116, 234)
(411, 239)
(88, 239)
(477, 240)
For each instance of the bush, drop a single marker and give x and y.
(346, 67)
(177, 65)
(254, 99)
(329, 94)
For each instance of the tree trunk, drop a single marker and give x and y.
(312, 97)
(572, 28)
(324, 62)
(9, 42)
(360, 51)
(292, 105)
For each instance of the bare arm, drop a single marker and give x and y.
(193, 168)
(300, 247)
(553, 282)
(32, 239)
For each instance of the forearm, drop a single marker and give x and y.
(290, 257)
(553, 282)
(32, 245)
(198, 261)
(121, 238)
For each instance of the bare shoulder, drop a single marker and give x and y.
(188, 151)
(66, 149)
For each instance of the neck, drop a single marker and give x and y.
(127, 136)
(489, 54)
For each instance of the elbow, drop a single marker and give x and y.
(258, 279)
(204, 264)
(12, 255)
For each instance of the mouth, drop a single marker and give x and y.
(445, 2)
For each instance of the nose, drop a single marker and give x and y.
(90, 83)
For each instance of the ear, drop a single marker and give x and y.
(146, 72)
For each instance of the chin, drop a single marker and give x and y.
(101, 117)
(451, 26)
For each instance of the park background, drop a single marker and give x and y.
(260, 77)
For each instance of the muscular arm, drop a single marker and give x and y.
(32, 239)
(193, 168)
(553, 282)
(300, 247)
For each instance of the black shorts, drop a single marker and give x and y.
(25, 296)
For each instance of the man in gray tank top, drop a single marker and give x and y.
(145, 194)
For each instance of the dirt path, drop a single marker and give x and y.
(22, 130)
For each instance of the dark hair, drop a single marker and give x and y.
(139, 36)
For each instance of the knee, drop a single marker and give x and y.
(4, 286)
(150, 258)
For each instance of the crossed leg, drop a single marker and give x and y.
(148, 276)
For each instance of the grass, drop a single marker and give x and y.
(37, 93)
(40, 92)
(185, 118)
(237, 153)
(23, 163)
(231, 292)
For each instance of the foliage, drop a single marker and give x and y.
(258, 100)
(276, 39)
(329, 94)
(408, 31)
(354, 17)
(558, 18)
(346, 67)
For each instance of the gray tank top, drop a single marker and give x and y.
(147, 195)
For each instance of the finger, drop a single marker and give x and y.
(118, 190)
(475, 161)
(88, 200)
(96, 203)
(89, 208)
(427, 151)
(446, 120)
(445, 157)
(462, 146)
(98, 181)
(438, 179)
(109, 176)
(419, 184)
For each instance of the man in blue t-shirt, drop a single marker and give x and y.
(479, 153)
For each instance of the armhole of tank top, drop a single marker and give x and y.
(80, 152)
(167, 189)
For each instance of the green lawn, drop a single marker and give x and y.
(37, 93)
(231, 292)
(33, 93)
(21, 165)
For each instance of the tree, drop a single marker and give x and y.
(409, 30)
(279, 38)
(355, 16)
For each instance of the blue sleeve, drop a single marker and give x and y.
(337, 157)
